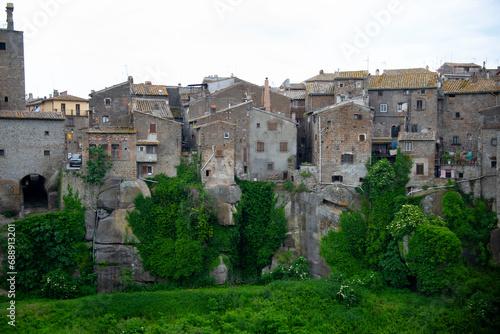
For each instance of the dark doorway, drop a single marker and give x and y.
(34, 193)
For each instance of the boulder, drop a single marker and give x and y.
(224, 193)
(220, 272)
(128, 191)
(89, 224)
(108, 277)
(110, 192)
(114, 229)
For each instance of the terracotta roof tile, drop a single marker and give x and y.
(31, 115)
(339, 75)
(462, 65)
(403, 81)
(158, 108)
(320, 88)
(405, 70)
(294, 94)
(469, 86)
(143, 89)
(67, 97)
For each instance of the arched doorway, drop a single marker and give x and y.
(34, 192)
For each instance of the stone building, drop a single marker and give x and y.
(263, 141)
(342, 142)
(490, 153)
(458, 71)
(136, 125)
(12, 70)
(214, 99)
(74, 109)
(421, 147)
(407, 102)
(216, 146)
(31, 154)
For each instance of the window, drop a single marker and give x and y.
(400, 107)
(420, 169)
(104, 147)
(70, 121)
(422, 91)
(493, 162)
(270, 166)
(341, 85)
(408, 146)
(219, 152)
(328, 123)
(347, 158)
(460, 175)
(457, 115)
(46, 152)
(107, 101)
(342, 98)
(207, 172)
(2, 153)
(449, 174)
(105, 119)
(494, 142)
(141, 148)
(151, 149)
(362, 137)
(213, 108)
(358, 84)
(115, 151)
(152, 128)
(394, 131)
(419, 105)
(77, 110)
(357, 116)
(271, 126)
(456, 140)
(226, 134)
(245, 169)
(414, 128)
(260, 146)
(337, 178)
(6, 99)
(46, 133)
(283, 147)
(2, 46)
(150, 169)
(63, 108)
(383, 107)
(380, 93)
(258, 125)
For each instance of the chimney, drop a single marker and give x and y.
(64, 93)
(474, 77)
(147, 83)
(377, 72)
(56, 93)
(10, 20)
(321, 72)
(267, 96)
(30, 97)
(484, 65)
(488, 75)
(130, 80)
(427, 67)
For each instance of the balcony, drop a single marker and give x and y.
(146, 152)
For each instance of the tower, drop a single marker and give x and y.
(11, 66)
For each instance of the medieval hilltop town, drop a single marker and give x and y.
(321, 132)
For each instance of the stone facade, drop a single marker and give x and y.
(342, 142)
(110, 106)
(158, 147)
(32, 150)
(12, 69)
(490, 153)
(216, 146)
(420, 146)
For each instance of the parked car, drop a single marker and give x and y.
(75, 160)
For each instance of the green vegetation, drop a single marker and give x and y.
(49, 248)
(311, 306)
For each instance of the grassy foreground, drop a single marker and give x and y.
(312, 306)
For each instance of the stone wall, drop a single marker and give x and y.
(117, 111)
(12, 82)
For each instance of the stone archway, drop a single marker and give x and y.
(34, 193)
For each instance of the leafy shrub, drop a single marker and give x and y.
(289, 186)
(406, 221)
(394, 269)
(434, 258)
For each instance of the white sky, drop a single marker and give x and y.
(80, 45)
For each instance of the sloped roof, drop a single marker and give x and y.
(339, 75)
(315, 88)
(67, 97)
(417, 136)
(294, 94)
(461, 64)
(45, 115)
(213, 123)
(471, 86)
(337, 105)
(146, 89)
(156, 107)
(406, 70)
(403, 81)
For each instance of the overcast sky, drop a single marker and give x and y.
(80, 45)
